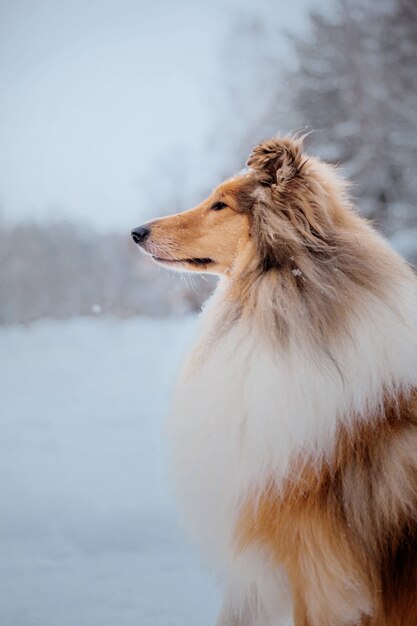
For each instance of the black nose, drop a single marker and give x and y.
(140, 233)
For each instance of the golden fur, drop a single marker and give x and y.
(298, 255)
(347, 533)
(294, 243)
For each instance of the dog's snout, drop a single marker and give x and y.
(140, 233)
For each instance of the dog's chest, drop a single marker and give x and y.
(244, 409)
(239, 412)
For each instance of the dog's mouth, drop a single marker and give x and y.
(194, 261)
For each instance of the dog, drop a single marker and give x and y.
(294, 421)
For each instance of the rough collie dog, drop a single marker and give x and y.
(294, 423)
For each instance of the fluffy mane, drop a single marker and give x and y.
(311, 259)
(293, 427)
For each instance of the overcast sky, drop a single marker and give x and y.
(94, 93)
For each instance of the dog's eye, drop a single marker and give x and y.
(218, 206)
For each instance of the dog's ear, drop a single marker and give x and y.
(294, 214)
(276, 161)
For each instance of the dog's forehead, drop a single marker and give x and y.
(233, 186)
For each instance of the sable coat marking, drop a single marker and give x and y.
(294, 422)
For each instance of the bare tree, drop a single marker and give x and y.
(356, 88)
(351, 80)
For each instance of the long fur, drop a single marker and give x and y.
(294, 422)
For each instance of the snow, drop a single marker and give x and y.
(88, 530)
(404, 241)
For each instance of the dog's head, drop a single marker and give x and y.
(281, 204)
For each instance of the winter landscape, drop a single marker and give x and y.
(112, 113)
(88, 533)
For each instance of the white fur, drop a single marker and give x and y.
(242, 410)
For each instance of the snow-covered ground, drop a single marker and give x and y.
(88, 531)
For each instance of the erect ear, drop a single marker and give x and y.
(277, 160)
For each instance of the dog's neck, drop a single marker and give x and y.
(310, 297)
